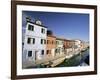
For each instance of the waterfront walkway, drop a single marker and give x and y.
(57, 59)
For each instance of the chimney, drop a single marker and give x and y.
(28, 19)
(49, 32)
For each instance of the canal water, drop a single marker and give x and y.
(76, 60)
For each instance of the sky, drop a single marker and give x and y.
(64, 25)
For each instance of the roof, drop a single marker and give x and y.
(51, 36)
(36, 24)
(60, 38)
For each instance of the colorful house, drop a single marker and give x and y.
(51, 45)
(78, 44)
(68, 46)
(34, 45)
(59, 46)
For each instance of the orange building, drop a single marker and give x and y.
(51, 45)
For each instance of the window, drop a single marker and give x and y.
(29, 40)
(52, 42)
(47, 51)
(56, 51)
(57, 42)
(22, 43)
(48, 41)
(30, 27)
(43, 41)
(42, 30)
(33, 40)
(42, 52)
(29, 53)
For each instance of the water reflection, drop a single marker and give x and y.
(81, 59)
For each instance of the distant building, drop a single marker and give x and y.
(78, 44)
(34, 44)
(84, 45)
(68, 46)
(59, 46)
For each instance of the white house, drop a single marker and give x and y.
(59, 46)
(34, 44)
(78, 44)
